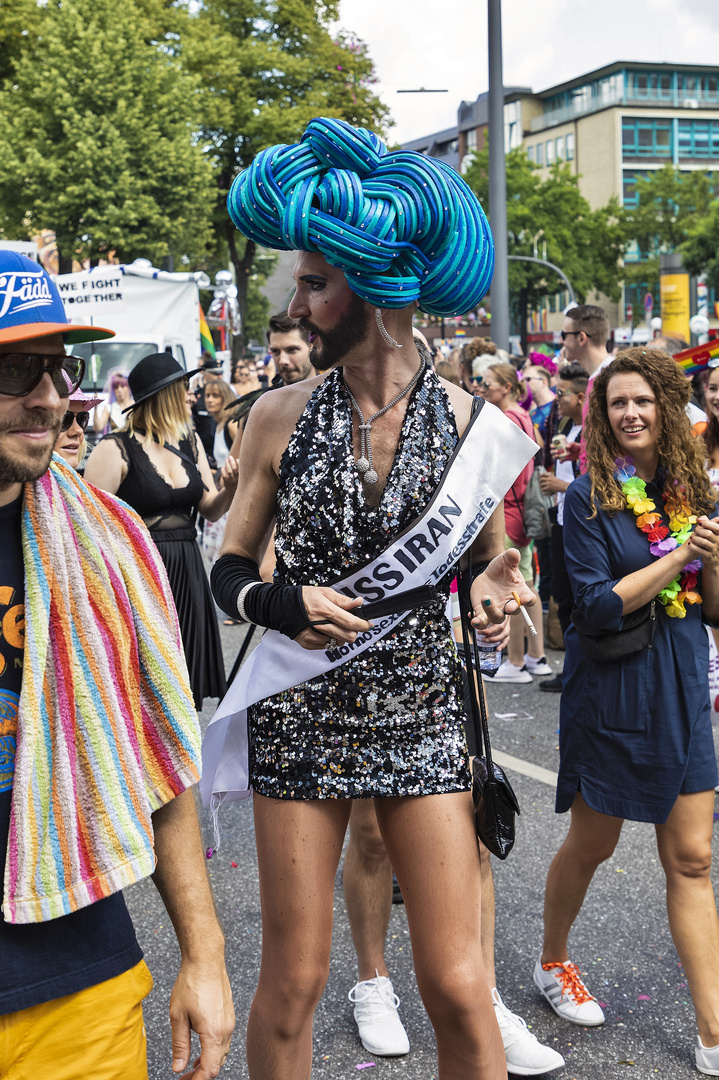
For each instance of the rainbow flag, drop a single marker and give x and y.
(696, 359)
(206, 342)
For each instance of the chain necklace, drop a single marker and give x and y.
(363, 465)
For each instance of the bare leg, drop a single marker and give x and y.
(298, 851)
(684, 843)
(367, 883)
(432, 844)
(591, 839)
(485, 863)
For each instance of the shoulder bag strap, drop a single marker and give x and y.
(477, 703)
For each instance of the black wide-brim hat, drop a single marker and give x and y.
(154, 373)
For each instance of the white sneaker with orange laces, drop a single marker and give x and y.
(563, 988)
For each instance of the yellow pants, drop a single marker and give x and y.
(98, 1034)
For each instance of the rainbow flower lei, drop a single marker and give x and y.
(682, 590)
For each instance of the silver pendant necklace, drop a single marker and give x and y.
(364, 465)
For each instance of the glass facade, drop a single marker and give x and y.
(698, 138)
(665, 87)
(645, 137)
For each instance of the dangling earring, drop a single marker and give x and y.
(384, 331)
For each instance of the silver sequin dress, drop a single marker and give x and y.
(390, 721)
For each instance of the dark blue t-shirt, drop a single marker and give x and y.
(43, 961)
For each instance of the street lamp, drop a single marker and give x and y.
(497, 178)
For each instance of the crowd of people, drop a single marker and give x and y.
(312, 485)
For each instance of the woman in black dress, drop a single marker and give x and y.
(159, 467)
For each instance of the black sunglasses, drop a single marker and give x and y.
(82, 419)
(20, 373)
(564, 334)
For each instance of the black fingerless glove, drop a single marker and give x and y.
(278, 607)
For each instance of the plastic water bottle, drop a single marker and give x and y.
(490, 656)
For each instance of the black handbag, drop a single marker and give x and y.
(636, 634)
(495, 803)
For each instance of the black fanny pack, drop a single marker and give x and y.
(636, 634)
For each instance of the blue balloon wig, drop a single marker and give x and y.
(403, 227)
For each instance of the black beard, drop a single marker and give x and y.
(351, 330)
(21, 470)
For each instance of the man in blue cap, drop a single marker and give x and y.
(98, 742)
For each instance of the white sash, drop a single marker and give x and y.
(485, 463)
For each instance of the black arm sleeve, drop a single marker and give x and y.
(464, 582)
(279, 607)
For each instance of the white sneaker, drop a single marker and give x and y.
(509, 673)
(525, 1055)
(537, 666)
(563, 988)
(380, 1027)
(707, 1058)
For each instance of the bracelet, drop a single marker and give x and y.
(241, 599)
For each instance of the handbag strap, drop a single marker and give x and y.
(477, 702)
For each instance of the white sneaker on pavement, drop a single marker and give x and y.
(537, 666)
(707, 1058)
(563, 988)
(525, 1055)
(375, 1012)
(507, 672)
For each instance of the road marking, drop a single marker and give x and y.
(526, 768)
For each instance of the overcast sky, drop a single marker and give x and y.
(443, 45)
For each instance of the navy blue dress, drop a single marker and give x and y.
(636, 733)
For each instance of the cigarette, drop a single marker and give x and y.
(525, 613)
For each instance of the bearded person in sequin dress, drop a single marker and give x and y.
(387, 723)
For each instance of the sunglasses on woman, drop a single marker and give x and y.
(82, 419)
(20, 373)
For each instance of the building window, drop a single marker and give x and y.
(581, 99)
(646, 138)
(540, 153)
(550, 151)
(470, 138)
(570, 146)
(629, 189)
(699, 138)
(560, 148)
(530, 152)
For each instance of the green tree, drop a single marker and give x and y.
(701, 249)
(19, 27)
(265, 70)
(552, 219)
(98, 138)
(670, 205)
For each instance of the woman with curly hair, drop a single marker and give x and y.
(635, 731)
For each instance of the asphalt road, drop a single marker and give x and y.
(621, 941)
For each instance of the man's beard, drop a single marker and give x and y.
(350, 330)
(19, 469)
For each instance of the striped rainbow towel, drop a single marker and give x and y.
(107, 730)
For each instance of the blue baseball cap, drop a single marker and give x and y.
(30, 305)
